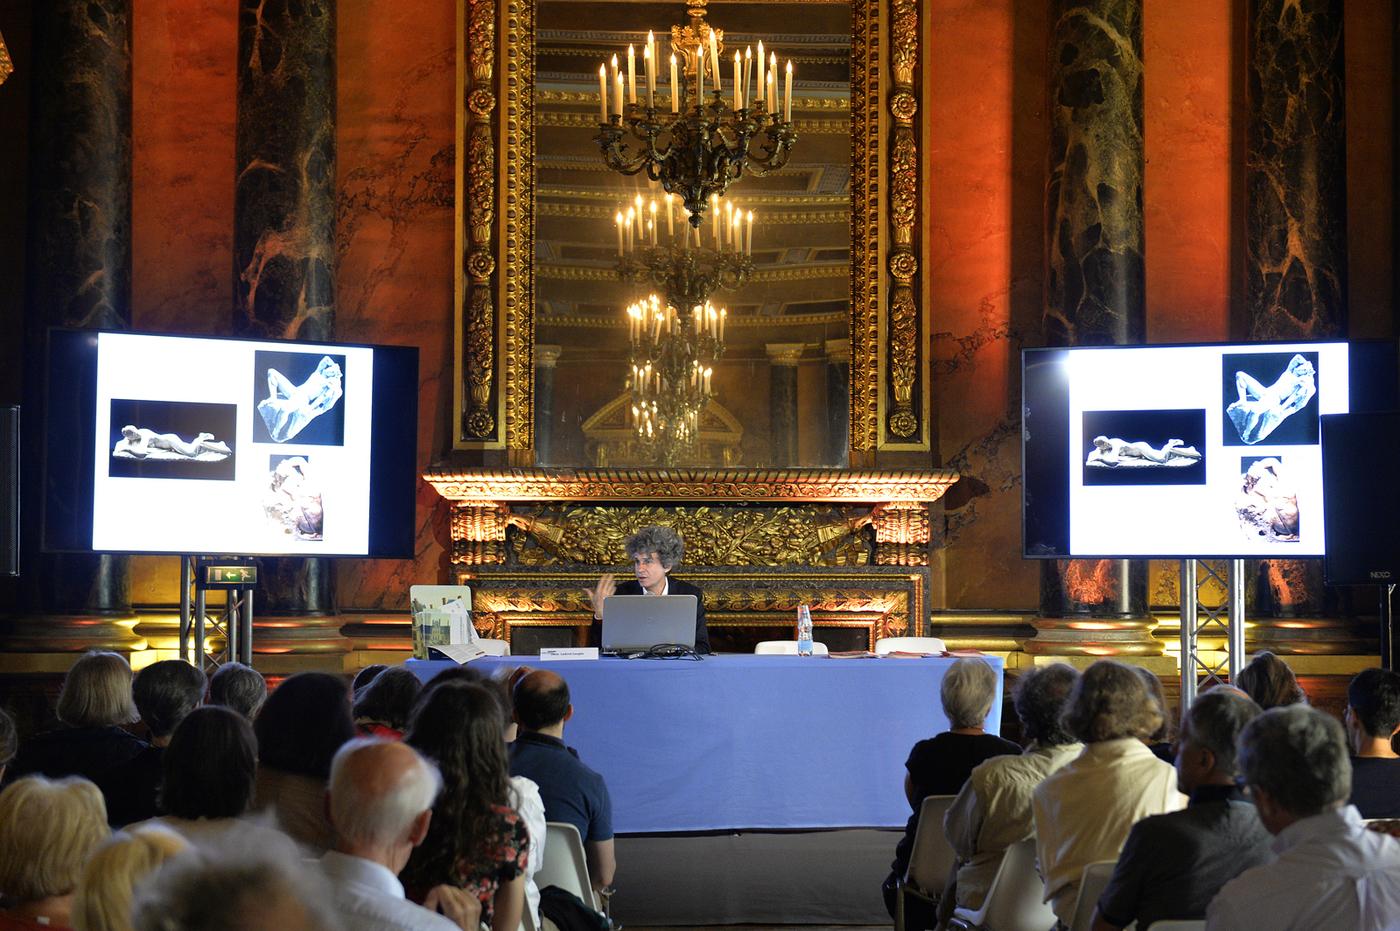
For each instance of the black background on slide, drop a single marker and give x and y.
(327, 429)
(1155, 428)
(1297, 429)
(1044, 454)
(69, 423)
(186, 419)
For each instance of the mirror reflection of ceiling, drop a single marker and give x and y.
(799, 291)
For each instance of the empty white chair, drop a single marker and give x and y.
(886, 645)
(787, 647)
(931, 860)
(1092, 883)
(1014, 900)
(493, 647)
(564, 864)
(1178, 925)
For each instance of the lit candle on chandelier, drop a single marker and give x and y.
(631, 75)
(603, 91)
(773, 82)
(714, 218)
(748, 235)
(738, 84)
(714, 62)
(787, 94)
(760, 71)
(651, 224)
(728, 223)
(651, 77)
(748, 76)
(675, 87)
(670, 223)
(619, 234)
(617, 87)
(736, 234)
(631, 229)
(723, 313)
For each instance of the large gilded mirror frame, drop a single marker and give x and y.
(495, 223)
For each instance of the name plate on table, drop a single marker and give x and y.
(568, 653)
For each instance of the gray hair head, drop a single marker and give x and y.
(1111, 701)
(235, 887)
(1214, 721)
(1040, 699)
(239, 687)
(967, 692)
(375, 797)
(663, 541)
(1298, 755)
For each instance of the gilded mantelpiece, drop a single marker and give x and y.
(853, 545)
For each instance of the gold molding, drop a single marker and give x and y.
(494, 273)
(810, 272)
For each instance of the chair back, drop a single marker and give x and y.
(564, 864)
(1015, 900)
(886, 645)
(786, 648)
(1177, 924)
(493, 647)
(1092, 883)
(931, 861)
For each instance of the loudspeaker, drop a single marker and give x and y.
(9, 490)
(1361, 498)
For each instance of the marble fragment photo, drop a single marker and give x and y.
(171, 439)
(298, 396)
(1270, 396)
(1267, 501)
(1144, 447)
(292, 499)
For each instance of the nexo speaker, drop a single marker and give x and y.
(1361, 498)
(9, 490)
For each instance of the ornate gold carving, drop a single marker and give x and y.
(714, 536)
(904, 346)
(476, 159)
(804, 273)
(691, 485)
(519, 234)
(478, 533)
(901, 535)
(865, 225)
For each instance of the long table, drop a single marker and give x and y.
(747, 742)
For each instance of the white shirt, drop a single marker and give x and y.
(525, 799)
(1330, 873)
(368, 897)
(665, 588)
(1084, 811)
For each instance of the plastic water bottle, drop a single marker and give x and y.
(804, 631)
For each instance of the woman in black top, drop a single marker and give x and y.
(941, 764)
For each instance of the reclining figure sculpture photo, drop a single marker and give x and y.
(141, 443)
(1111, 452)
(288, 408)
(1260, 410)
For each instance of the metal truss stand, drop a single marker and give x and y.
(199, 575)
(1196, 619)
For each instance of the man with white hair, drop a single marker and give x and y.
(1331, 872)
(381, 800)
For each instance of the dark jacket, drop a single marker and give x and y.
(674, 587)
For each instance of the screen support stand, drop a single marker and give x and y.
(200, 574)
(1228, 619)
(1387, 633)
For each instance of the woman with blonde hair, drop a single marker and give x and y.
(103, 902)
(48, 829)
(92, 707)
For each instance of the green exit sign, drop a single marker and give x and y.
(231, 575)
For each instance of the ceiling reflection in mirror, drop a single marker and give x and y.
(661, 344)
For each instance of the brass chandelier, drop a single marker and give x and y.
(702, 144)
(672, 358)
(687, 265)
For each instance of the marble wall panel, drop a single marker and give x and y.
(1370, 76)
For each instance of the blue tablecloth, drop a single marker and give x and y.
(757, 742)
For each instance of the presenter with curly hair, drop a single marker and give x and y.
(654, 552)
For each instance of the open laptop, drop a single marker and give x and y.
(640, 622)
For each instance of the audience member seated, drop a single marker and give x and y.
(9, 742)
(381, 801)
(1330, 871)
(165, 692)
(1083, 812)
(1173, 865)
(239, 687)
(300, 727)
(94, 703)
(572, 792)
(365, 676)
(103, 901)
(239, 886)
(941, 764)
(1268, 680)
(1372, 719)
(206, 785)
(48, 829)
(1160, 740)
(993, 810)
(475, 840)
(524, 793)
(382, 707)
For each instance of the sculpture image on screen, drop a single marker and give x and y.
(1267, 504)
(1259, 410)
(289, 408)
(141, 443)
(1114, 453)
(293, 499)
